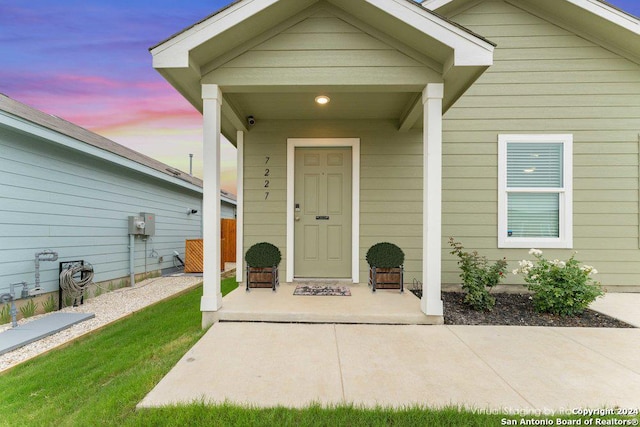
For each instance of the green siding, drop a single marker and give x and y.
(390, 195)
(547, 80)
(322, 49)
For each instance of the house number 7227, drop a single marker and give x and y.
(267, 172)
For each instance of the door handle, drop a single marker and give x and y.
(297, 218)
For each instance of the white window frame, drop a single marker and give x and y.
(565, 239)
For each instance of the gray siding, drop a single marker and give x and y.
(56, 198)
(227, 210)
(547, 80)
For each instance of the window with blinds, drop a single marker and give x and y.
(534, 202)
(534, 177)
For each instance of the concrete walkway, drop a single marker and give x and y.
(625, 307)
(524, 369)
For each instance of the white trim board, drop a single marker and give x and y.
(354, 144)
(240, 207)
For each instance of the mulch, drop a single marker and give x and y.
(513, 309)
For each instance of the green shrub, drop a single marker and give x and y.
(29, 309)
(49, 304)
(5, 314)
(263, 255)
(68, 300)
(98, 291)
(559, 287)
(478, 276)
(385, 255)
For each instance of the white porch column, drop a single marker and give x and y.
(431, 302)
(240, 208)
(211, 297)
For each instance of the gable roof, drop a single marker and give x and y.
(234, 2)
(597, 20)
(150, 166)
(202, 54)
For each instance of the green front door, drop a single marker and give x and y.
(322, 212)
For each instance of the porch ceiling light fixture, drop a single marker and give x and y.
(322, 100)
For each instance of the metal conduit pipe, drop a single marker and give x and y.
(11, 297)
(46, 255)
(132, 273)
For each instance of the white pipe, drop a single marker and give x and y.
(132, 266)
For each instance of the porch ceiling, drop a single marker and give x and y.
(302, 106)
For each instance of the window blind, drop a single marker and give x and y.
(533, 214)
(534, 166)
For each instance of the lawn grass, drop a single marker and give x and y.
(99, 379)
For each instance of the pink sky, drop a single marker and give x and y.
(87, 61)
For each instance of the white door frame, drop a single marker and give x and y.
(354, 144)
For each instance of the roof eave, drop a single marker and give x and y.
(28, 120)
(619, 26)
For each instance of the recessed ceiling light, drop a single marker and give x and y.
(322, 99)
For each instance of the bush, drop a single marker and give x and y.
(559, 287)
(478, 277)
(263, 255)
(5, 314)
(29, 309)
(49, 304)
(385, 255)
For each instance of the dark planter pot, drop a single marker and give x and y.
(386, 278)
(262, 277)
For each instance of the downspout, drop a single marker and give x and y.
(132, 272)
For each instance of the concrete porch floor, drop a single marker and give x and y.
(385, 306)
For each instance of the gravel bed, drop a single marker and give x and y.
(107, 308)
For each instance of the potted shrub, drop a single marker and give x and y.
(386, 266)
(262, 266)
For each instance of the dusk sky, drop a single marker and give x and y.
(87, 61)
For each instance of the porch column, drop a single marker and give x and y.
(211, 296)
(431, 302)
(240, 207)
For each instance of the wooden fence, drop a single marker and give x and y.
(228, 242)
(194, 252)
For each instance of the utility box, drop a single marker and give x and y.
(136, 225)
(143, 224)
(149, 223)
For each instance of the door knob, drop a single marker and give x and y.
(297, 218)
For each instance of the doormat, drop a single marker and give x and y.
(323, 290)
